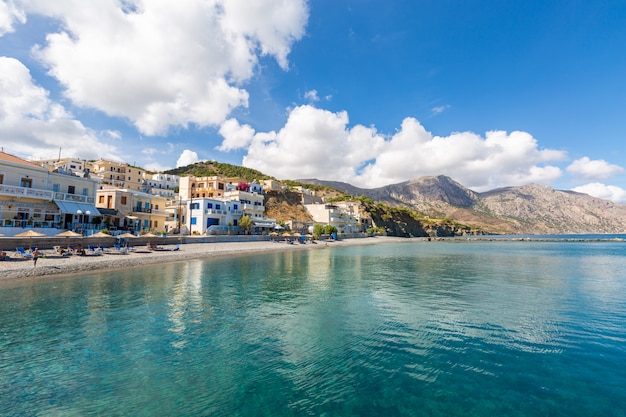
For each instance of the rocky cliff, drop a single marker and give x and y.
(530, 209)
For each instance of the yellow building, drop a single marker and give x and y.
(112, 174)
(140, 212)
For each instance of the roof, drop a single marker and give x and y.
(7, 157)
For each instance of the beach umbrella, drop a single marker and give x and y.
(68, 234)
(149, 235)
(30, 234)
(126, 236)
(100, 235)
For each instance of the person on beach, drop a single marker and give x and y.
(35, 256)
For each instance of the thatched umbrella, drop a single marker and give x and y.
(149, 236)
(100, 235)
(126, 236)
(68, 234)
(30, 234)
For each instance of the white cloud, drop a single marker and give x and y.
(235, 135)
(32, 124)
(156, 167)
(606, 192)
(440, 109)
(318, 143)
(187, 157)
(312, 96)
(593, 169)
(161, 63)
(9, 14)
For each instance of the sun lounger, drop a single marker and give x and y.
(20, 251)
(94, 251)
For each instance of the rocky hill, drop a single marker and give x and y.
(530, 209)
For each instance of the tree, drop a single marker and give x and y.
(245, 223)
(330, 229)
(318, 230)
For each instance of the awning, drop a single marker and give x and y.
(263, 224)
(132, 217)
(67, 207)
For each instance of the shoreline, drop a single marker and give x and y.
(51, 265)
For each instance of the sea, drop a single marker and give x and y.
(459, 327)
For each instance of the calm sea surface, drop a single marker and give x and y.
(408, 329)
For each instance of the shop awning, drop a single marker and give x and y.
(67, 207)
(132, 217)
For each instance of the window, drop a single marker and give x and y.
(194, 206)
(26, 182)
(235, 206)
(101, 199)
(56, 187)
(124, 200)
(209, 205)
(85, 191)
(1, 178)
(71, 189)
(218, 207)
(193, 220)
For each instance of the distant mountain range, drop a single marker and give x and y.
(528, 209)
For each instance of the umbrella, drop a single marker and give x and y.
(149, 235)
(69, 234)
(126, 236)
(99, 235)
(30, 233)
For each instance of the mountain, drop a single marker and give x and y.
(529, 209)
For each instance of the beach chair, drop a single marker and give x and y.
(120, 249)
(60, 251)
(176, 247)
(94, 251)
(20, 251)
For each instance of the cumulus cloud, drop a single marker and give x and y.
(9, 14)
(606, 192)
(235, 135)
(34, 125)
(316, 143)
(598, 169)
(187, 157)
(161, 63)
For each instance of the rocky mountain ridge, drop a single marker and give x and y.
(528, 209)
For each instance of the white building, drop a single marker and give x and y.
(32, 196)
(163, 185)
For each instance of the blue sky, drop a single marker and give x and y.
(370, 92)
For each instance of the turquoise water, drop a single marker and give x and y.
(408, 329)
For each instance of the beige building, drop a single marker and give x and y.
(139, 212)
(205, 187)
(112, 174)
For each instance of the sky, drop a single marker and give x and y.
(368, 92)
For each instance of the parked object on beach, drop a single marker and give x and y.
(30, 234)
(22, 252)
(68, 234)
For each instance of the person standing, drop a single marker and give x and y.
(35, 256)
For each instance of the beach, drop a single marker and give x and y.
(52, 264)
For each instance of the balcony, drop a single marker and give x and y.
(74, 198)
(142, 210)
(215, 212)
(26, 192)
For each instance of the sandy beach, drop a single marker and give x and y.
(55, 265)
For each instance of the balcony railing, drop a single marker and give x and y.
(214, 211)
(142, 210)
(25, 192)
(74, 198)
